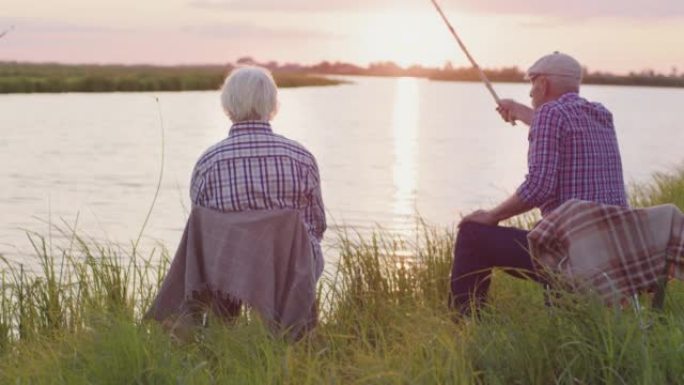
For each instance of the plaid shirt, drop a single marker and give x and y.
(612, 250)
(255, 169)
(573, 153)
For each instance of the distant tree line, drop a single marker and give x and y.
(513, 74)
(449, 72)
(50, 77)
(24, 77)
(29, 77)
(644, 78)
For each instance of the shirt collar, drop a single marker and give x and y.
(568, 96)
(250, 126)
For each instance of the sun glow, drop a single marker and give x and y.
(408, 38)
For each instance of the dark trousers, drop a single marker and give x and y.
(478, 249)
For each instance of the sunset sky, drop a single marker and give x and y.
(608, 35)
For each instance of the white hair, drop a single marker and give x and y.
(249, 93)
(563, 84)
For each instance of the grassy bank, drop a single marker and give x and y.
(384, 321)
(27, 78)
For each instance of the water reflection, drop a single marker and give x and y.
(385, 147)
(405, 138)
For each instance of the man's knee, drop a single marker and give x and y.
(468, 227)
(469, 233)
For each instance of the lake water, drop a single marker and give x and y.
(387, 149)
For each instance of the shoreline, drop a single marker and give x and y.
(61, 78)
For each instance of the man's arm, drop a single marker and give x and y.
(510, 111)
(509, 208)
(541, 180)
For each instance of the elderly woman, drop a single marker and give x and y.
(255, 168)
(266, 253)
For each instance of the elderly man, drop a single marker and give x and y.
(255, 168)
(573, 153)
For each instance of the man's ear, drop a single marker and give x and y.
(546, 86)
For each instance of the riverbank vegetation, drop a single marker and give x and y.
(384, 320)
(28, 78)
(51, 77)
(515, 75)
(448, 72)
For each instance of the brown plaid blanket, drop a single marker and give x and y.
(613, 251)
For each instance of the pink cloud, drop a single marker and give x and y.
(563, 9)
(255, 32)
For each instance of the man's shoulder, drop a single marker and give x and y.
(570, 105)
(549, 112)
(562, 103)
(573, 100)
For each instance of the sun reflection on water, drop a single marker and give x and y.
(405, 137)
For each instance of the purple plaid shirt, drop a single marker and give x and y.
(255, 169)
(573, 153)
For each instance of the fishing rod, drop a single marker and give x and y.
(5, 32)
(483, 77)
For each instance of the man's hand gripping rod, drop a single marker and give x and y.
(483, 77)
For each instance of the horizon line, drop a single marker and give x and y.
(277, 63)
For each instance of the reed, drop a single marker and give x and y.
(663, 188)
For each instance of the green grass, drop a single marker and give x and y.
(664, 188)
(384, 320)
(30, 78)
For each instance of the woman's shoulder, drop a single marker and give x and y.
(209, 155)
(298, 148)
